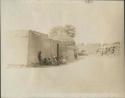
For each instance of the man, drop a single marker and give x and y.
(40, 57)
(75, 55)
(63, 60)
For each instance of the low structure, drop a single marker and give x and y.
(88, 49)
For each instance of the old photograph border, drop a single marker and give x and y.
(73, 95)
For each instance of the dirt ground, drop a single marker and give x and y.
(88, 74)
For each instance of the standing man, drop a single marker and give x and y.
(40, 57)
(75, 54)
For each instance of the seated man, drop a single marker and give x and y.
(45, 60)
(60, 60)
(54, 61)
(63, 60)
(49, 61)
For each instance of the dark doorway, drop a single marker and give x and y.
(58, 54)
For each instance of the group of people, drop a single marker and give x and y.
(108, 51)
(51, 60)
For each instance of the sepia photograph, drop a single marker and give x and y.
(62, 49)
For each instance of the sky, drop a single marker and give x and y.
(95, 22)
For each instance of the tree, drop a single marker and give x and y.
(66, 34)
(56, 30)
(70, 30)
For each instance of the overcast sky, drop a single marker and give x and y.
(95, 22)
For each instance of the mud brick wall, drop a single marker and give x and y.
(34, 47)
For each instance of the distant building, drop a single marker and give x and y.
(88, 49)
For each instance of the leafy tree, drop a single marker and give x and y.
(70, 30)
(56, 30)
